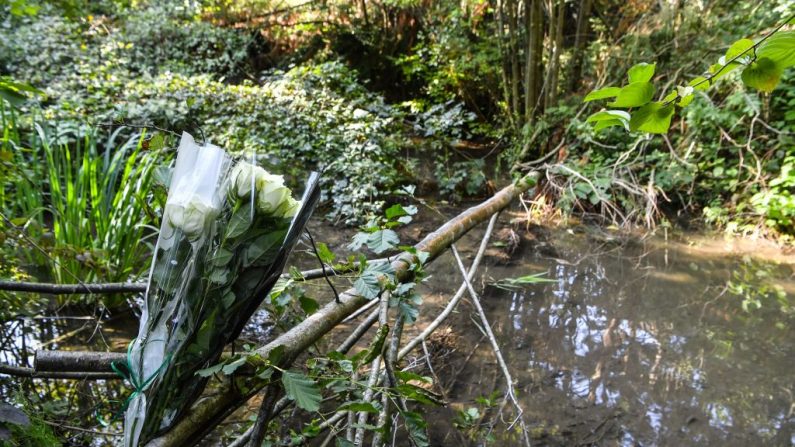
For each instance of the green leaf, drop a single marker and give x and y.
(602, 93)
(382, 240)
(700, 83)
(606, 115)
(326, 255)
(416, 428)
(228, 299)
(652, 118)
(276, 354)
(741, 47)
(367, 407)
(219, 276)
(420, 395)
(308, 305)
(240, 221)
(264, 248)
(367, 284)
(377, 345)
(232, 367)
(763, 74)
(610, 123)
(359, 239)
(407, 376)
(302, 390)
(685, 95)
(207, 372)
(394, 211)
(642, 72)
(221, 257)
(634, 95)
(721, 69)
(670, 97)
(780, 48)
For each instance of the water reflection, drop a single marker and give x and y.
(658, 339)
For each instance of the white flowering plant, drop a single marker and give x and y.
(226, 232)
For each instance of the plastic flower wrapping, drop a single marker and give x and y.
(226, 232)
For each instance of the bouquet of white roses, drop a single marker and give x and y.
(227, 230)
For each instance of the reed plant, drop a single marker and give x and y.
(83, 203)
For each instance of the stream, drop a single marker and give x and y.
(650, 341)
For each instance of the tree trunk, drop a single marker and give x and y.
(556, 35)
(580, 38)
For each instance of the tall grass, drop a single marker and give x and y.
(84, 199)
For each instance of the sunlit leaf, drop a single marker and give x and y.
(634, 95)
(602, 93)
(700, 83)
(652, 118)
(642, 72)
(780, 48)
(763, 74)
(741, 47)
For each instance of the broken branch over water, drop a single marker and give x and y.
(206, 414)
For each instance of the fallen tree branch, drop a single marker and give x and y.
(140, 287)
(451, 305)
(76, 361)
(207, 413)
(213, 409)
(30, 373)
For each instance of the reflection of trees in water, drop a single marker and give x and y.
(656, 337)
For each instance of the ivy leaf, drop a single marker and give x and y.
(642, 72)
(382, 240)
(602, 93)
(763, 74)
(780, 48)
(634, 95)
(302, 390)
(738, 48)
(652, 118)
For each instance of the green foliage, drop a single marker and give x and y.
(302, 390)
(764, 63)
(84, 200)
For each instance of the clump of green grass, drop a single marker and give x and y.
(82, 203)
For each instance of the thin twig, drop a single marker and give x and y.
(495, 346)
(323, 267)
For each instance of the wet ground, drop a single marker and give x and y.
(645, 340)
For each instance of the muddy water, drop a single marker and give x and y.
(684, 341)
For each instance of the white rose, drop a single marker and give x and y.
(289, 208)
(191, 218)
(272, 194)
(244, 178)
